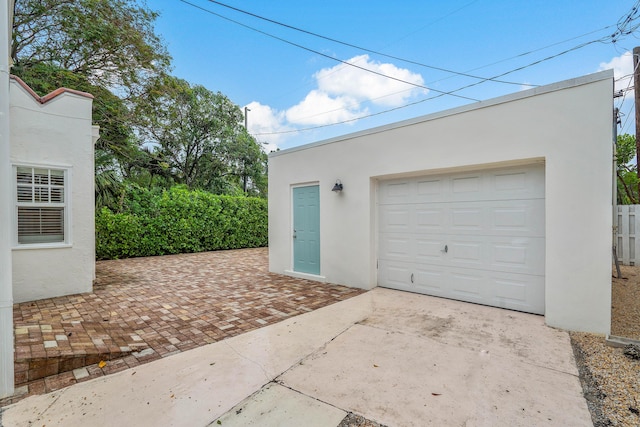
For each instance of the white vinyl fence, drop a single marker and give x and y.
(628, 245)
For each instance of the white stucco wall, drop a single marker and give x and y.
(567, 125)
(56, 133)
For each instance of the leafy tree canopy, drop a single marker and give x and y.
(111, 43)
(627, 170)
(155, 130)
(109, 111)
(198, 135)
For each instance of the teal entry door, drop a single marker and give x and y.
(306, 229)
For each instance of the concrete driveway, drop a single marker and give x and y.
(396, 358)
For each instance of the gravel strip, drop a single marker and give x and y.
(625, 303)
(353, 420)
(610, 379)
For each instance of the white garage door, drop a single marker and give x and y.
(474, 236)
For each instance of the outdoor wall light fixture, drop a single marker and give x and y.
(337, 187)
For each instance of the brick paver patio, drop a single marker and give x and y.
(143, 309)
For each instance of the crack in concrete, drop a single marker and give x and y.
(311, 397)
(551, 369)
(316, 351)
(264, 371)
(41, 414)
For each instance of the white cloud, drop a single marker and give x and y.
(622, 69)
(347, 81)
(262, 119)
(343, 93)
(319, 108)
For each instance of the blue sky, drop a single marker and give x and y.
(289, 89)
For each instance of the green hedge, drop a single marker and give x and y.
(179, 221)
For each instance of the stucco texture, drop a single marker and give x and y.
(566, 126)
(50, 132)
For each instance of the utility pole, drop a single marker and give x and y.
(244, 163)
(636, 90)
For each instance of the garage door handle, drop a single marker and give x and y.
(446, 249)
(411, 277)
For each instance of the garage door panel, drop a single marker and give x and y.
(397, 246)
(430, 187)
(524, 183)
(412, 248)
(467, 285)
(464, 185)
(510, 181)
(465, 253)
(517, 218)
(518, 292)
(467, 218)
(475, 236)
(394, 218)
(396, 274)
(504, 254)
(512, 218)
(510, 254)
(430, 219)
(429, 250)
(432, 280)
(424, 279)
(506, 290)
(397, 191)
(503, 184)
(517, 255)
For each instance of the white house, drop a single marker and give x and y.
(52, 157)
(49, 190)
(505, 202)
(47, 237)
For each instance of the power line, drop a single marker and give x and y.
(434, 97)
(521, 55)
(351, 64)
(622, 30)
(409, 61)
(483, 66)
(625, 91)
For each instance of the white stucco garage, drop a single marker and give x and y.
(505, 202)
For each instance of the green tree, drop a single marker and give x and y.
(627, 170)
(199, 135)
(111, 43)
(248, 163)
(104, 47)
(116, 145)
(155, 130)
(109, 111)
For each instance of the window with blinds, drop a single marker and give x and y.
(41, 205)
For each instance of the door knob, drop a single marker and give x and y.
(295, 235)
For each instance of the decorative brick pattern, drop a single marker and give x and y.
(143, 309)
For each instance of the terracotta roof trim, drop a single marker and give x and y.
(50, 96)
